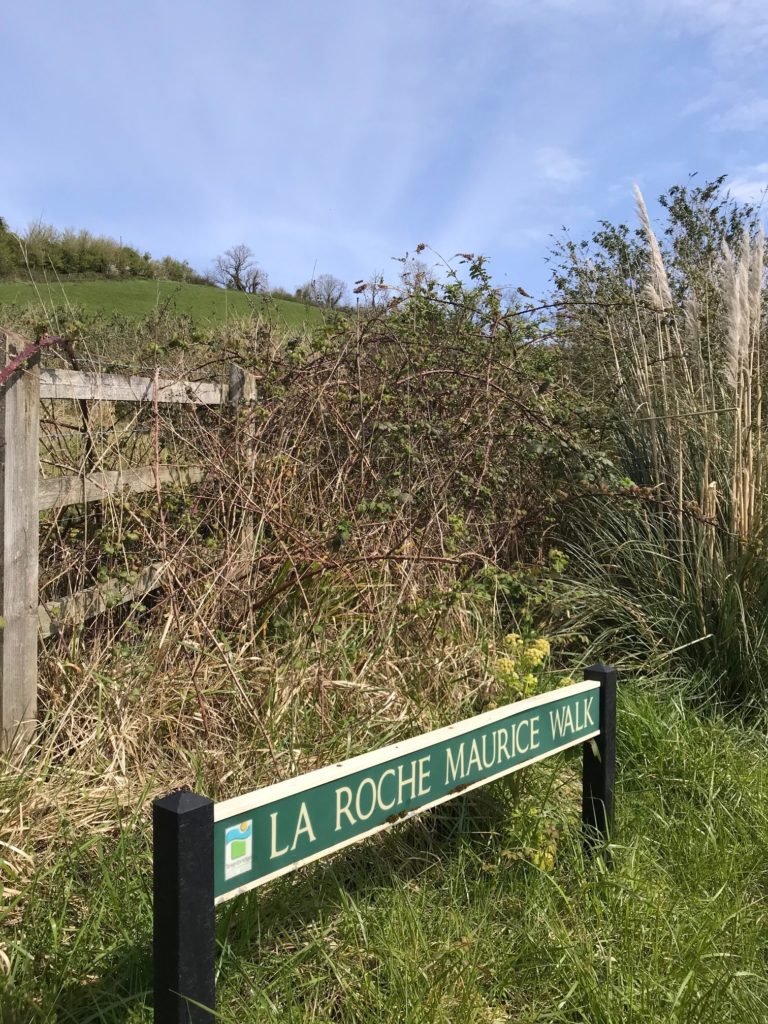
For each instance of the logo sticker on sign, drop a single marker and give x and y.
(238, 842)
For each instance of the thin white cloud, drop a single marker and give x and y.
(751, 185)
(736, 27)
(748, 116)
(559, 166)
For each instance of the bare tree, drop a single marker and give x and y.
(238, 269)
(330, 290)
(324, 290)
(415, 275)
(256, 279)
(374, 290)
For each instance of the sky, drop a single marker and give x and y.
(335, 136)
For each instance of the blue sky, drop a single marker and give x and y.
(333, 136)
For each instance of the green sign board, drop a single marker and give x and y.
(271, 831)
(206, 852)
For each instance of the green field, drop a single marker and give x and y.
(135, 298)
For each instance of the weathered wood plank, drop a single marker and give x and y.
(58, 491)
(116, 387)
(87, 604)
(19, 540)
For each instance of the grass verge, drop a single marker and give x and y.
(446, 919)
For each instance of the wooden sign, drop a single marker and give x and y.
(206, 852)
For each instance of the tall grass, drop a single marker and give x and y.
(677, 562)
(690, 383)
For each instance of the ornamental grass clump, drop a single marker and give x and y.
(669, 339)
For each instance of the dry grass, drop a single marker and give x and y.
(691, 388)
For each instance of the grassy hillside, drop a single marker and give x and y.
(206, 304)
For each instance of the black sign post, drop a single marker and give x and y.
(599, 767)
(184, 933)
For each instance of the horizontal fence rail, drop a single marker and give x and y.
(114, 387)
(59, 491)
(206, 853)
(53, 616)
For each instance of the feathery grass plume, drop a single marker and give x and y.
(756, 280)
(734, 272)
(692, 314)
(756, 266)
(741, 274)
(657, 290)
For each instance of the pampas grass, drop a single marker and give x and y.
(686, 568)
(657, 288)
(691, 387)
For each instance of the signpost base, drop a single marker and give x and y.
(599, 767)
(184, 935)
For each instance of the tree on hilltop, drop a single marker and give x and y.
(374, 290)
(324, 290)
(237, 268)
(10, 253)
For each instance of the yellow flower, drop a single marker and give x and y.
(567, 681)
(506, 670)
(504, 665)
(537, 651)
(533, 657)
(544, 859)
(513, 642)
(529, 684)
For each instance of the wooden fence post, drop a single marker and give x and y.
(19, 543)
(242, 390)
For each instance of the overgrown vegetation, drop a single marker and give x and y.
(419, 496)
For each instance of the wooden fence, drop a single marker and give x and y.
(24, 494)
